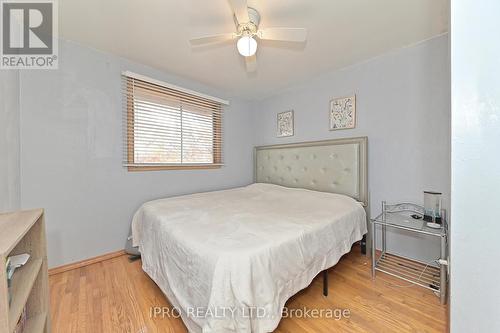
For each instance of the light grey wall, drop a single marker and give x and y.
(475, 189)
(71, 145)
(72, 141)
(402, 101)
(9, 140)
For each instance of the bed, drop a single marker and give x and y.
(229, 260)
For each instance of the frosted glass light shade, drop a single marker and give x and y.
(247, 46)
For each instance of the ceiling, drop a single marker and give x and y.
(340, 33)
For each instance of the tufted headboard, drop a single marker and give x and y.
(337, 166)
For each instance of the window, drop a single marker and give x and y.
(167, 127)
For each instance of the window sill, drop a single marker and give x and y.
(172, 167)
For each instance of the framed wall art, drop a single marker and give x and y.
(343, 113)
(285, 123)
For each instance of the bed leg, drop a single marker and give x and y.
(134, 257)
(363, 244)
(325, 282)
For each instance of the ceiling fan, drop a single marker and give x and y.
(247, 21)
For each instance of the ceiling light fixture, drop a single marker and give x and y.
(248, 33)
(247, 46)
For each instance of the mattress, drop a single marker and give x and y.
(229, 260)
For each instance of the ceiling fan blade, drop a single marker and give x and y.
(251, 63)
(240, 10)
(212, 39)
(284, 34)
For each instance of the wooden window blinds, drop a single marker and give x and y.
(169, 128)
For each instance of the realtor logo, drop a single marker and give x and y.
(28, 34)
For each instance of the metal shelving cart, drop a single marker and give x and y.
(432, 276)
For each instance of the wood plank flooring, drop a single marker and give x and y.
(117, 296)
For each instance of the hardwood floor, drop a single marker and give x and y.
(116, 296)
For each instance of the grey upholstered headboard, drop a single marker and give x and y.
(337, 166)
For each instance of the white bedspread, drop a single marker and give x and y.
(243, 251)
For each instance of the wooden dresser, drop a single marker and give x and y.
(24, 232)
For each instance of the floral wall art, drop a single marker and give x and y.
(285, 123)
(343, 113)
